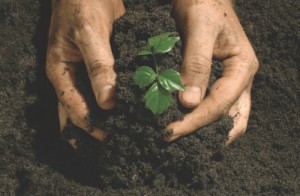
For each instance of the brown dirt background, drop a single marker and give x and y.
(34, 161)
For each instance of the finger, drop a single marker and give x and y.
(63, 116)
(98, 57)
(237, 76)
(240, 111)
(70, 99)
(210, 110)
(199, 39)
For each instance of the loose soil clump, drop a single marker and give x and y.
(134, 153)
(35, 161)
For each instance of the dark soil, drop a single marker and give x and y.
(133, 159)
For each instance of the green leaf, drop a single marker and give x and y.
(160, 44)
(170, 80)
(148, 47)
(157, 99)
(154, 40)
(143, 52)
(147, 50)
(165, 45)
(144, 76)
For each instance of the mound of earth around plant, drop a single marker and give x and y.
(34, 161)
(134, 153)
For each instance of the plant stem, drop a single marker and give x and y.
(155, 64)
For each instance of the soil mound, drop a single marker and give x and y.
(134, 154)
(35, 161)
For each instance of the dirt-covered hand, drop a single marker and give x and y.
(80, 31)
(211, 30)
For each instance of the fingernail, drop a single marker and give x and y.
(99, 134)
(174, 137)
(192, 95)
(105, 93)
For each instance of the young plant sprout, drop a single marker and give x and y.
(158, 98)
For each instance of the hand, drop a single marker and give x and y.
(80, 31)
(211, 29)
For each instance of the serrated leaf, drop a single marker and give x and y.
(147, 50)
(158, 38)
(170, 80)
(165, 45)
(157, 99)
(144, 76)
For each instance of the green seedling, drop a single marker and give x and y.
(158, 98)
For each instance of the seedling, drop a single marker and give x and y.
(158, 98)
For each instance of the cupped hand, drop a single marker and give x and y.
(80, 31)
(211, 30)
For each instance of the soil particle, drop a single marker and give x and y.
(134, 154)
(34, 161)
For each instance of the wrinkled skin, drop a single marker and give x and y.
(211, 29)
(81, 31)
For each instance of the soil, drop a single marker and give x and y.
(133, 160)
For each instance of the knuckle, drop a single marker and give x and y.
(255, 65)
(251, 62)
(79, 30)
(79, 26)
(82, 28)
(73, 33)
(97, 67)
(198, 66)
(251, 68)
(78, 21)
(52, 40)
(51, 60)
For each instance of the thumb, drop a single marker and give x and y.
(196, 65)
(99, 61)
(199, 35)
